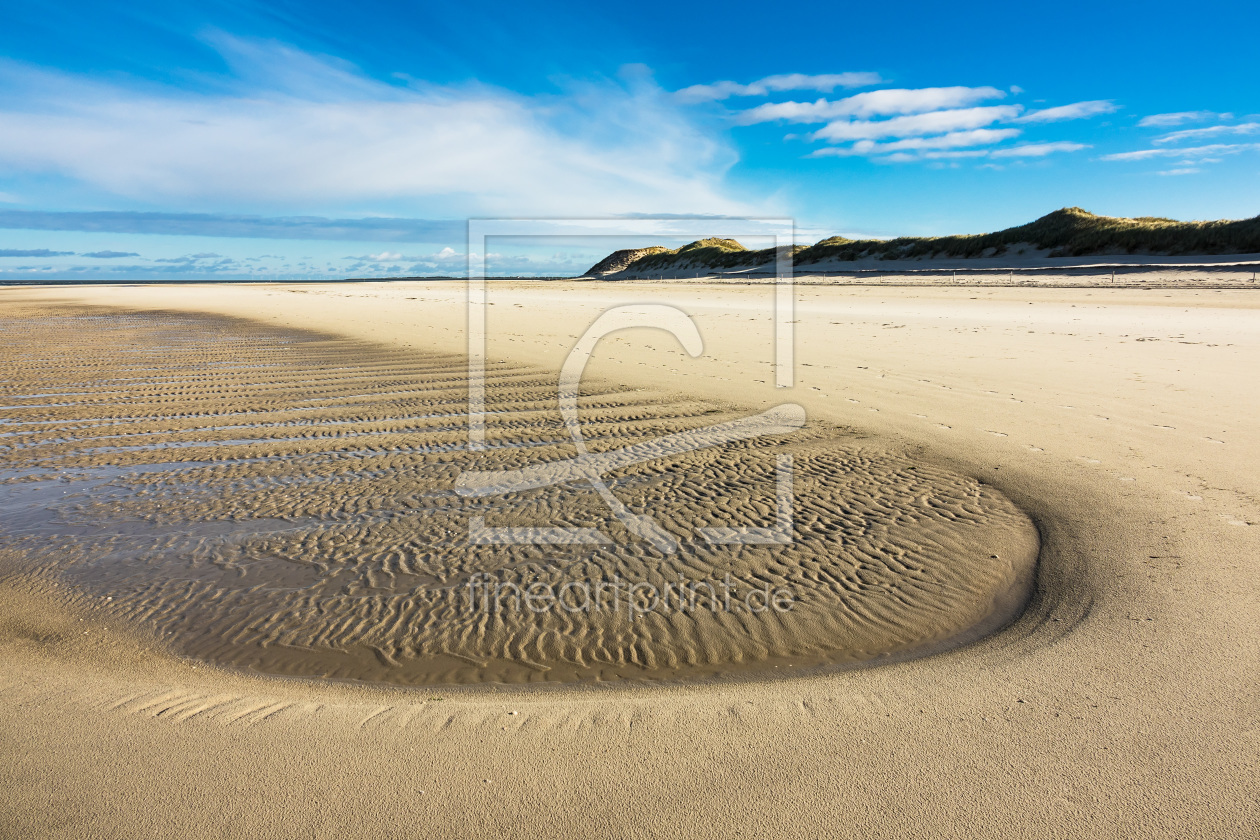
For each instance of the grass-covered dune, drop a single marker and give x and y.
(704, 253)
(1070, 232)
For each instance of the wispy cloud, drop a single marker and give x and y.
(875, 103)
(825, 83)
(1075, 111)
(1190, 170)
(374, 229)
(445, 254)
(1192, 152)
(108, 255)
(953, 140)
(1026, 150)
(924, 124)
(291, 129)
(934, 122)
(1210, 131)
(33, 252)
(203, 258)
(1180, 117)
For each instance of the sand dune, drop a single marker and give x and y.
(1121, 703)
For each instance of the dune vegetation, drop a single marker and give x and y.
(1069, 232)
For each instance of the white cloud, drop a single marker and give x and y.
(955, 155)
(1200, 152)
(875, 103)
(1187, 171)
(825, 83)
(936, 154)
(953, 140)
(934, 122)
(325, 135)
(927, 124)
(800, 112)
(1210, 131)
(1075, 111)
(1038, 149)
(443, 255)
(1167, 120)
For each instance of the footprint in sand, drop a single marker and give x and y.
(997, 434)
(1089, 460)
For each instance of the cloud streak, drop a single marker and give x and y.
(375, 229)
(953, 140)
(1180, 117)
(297, 130)
(445, 255)
(33, 252)
(924, 124)
(935, 122)
(1210, 131)
(1192, 152)
(1025, 150)
(825, 83)
(1035, 150)
(1075, 111)
(875, 103)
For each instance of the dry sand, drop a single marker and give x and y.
(1122, 703)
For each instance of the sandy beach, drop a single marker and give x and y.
(1088, 452)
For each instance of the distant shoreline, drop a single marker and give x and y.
(1240, 273)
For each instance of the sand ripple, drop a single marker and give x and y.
(290, 503)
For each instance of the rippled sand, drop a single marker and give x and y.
(290, 503)
(1122, 701)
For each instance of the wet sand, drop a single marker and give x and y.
(1121, 702)
(291, 503)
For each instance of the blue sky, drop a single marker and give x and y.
(284, 138)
